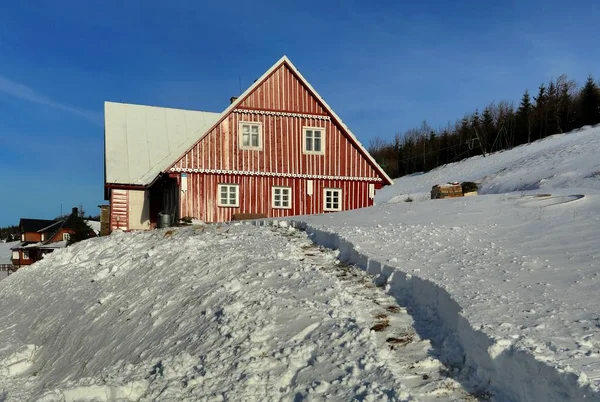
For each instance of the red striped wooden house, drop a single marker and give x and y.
(278, 150)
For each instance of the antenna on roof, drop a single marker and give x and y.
(240, 80)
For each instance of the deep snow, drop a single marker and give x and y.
(5, 252)
(497, 298)
(208, 313)
(5, 256)
(520, 262)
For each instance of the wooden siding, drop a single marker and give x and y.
(119, 208)
(21, 261)
(58, 236)
(283, 91)
(283, 105)
(282, 149)
(200, 200)
(32, 237)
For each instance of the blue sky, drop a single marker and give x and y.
(384, 67)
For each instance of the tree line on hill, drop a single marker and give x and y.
(558, 107)
(9, 233)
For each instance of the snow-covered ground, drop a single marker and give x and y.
(5, 252)
(511, 276)
(209, 313)
(486, 297)
(5, 255)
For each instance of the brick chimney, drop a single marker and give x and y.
(75, 212)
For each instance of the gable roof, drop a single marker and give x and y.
(336, 119)
(34, 225)
(142, 141)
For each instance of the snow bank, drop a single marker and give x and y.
(510, 276)
(200, 313)
(509, 372)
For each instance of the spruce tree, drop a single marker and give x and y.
(489, 129)
(81, 230)
(524, 119)
(589, 103)
(552, 125)
(540, 111)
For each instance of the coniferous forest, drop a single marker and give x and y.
(558, 107)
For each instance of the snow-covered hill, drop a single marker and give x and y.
(521, 263)
(5, 252)
(204, 314)
(5, 255)
(559, 161)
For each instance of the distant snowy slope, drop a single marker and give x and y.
(5, 252)
(559, 161)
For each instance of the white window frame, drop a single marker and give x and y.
(43, 237)
(16, 255)
(66, 236)
(281, 190)
(229, 187)
(339, 194)
(304, 137)
(25, 254)
(241, 135)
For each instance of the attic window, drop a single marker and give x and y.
(251, 135)
(314, 140)
(66, 236)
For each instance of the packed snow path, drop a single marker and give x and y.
(208, 313)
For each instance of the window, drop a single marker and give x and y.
(43, 237)
(228, 195)
(333, 199)
(282, 197)
(15, 255)
(66, 236)
(314, 140)
(25, 254)
(250, 135)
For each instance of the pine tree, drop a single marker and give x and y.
(81, 230)
(488, 128)
(552, 122)
(540, 111)
(566, 107)
(524, 114)
(589, 103)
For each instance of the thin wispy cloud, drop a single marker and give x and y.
(26, 93)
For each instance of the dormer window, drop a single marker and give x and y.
(314, 140)
(250, 135)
